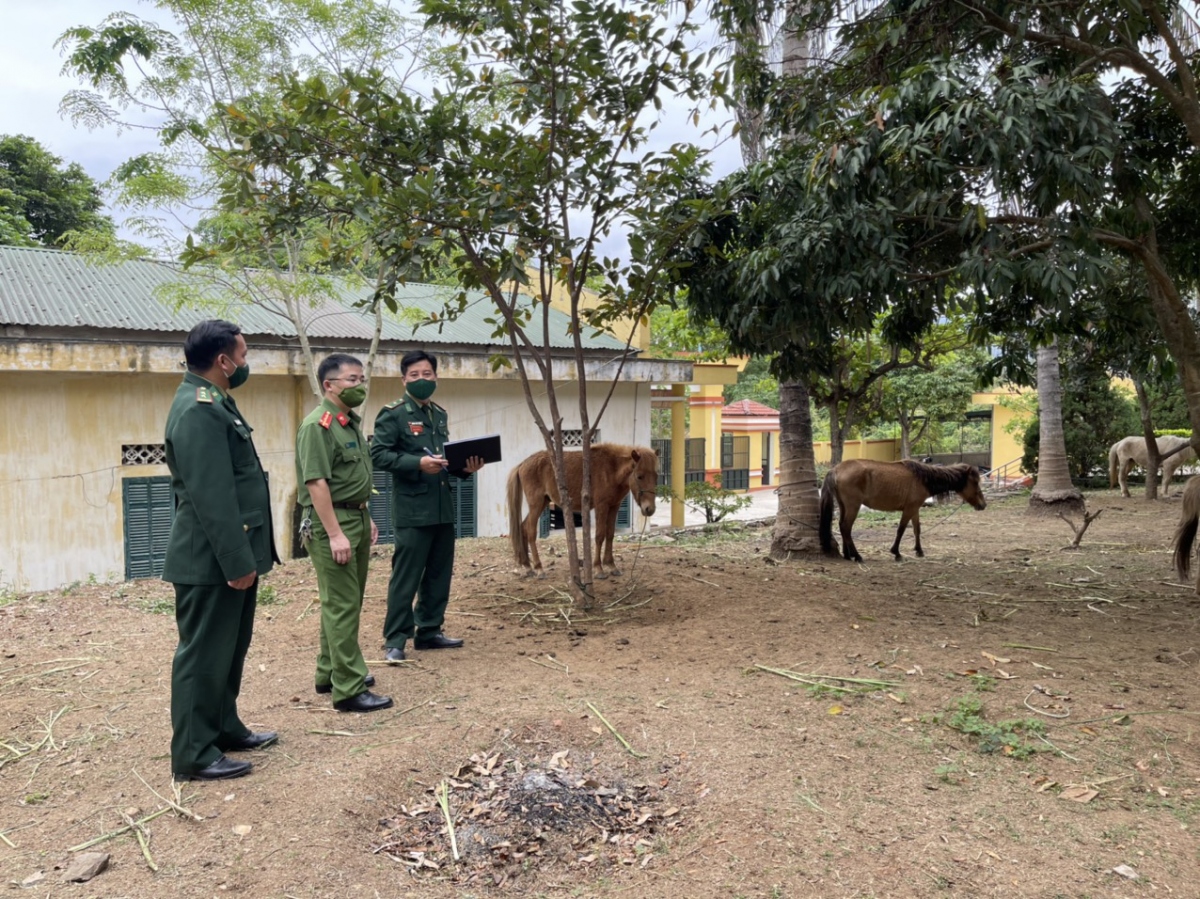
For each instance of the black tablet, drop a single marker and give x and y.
(457, 452)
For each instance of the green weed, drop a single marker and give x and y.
(1006, 737)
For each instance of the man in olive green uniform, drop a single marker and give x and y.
(333, 471)
(409, 436)
(220, 544)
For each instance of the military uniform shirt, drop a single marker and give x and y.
(222, 527)
(404, 432)
(330, 446)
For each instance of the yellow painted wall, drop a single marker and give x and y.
(1005, 447)
(879, 450)
(61, 507)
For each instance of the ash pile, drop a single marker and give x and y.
(507, 816)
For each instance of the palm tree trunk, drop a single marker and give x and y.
(799, 510)
(1152, 458)
(1053, 492)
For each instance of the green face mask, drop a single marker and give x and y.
(353, 396)
(421, 389)
(239, 376)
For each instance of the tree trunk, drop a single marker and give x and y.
(799, 510)
(905, 431)
(1152, 459)
(1053, 493)
(837, 433)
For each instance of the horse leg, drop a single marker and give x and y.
(916, 525)
(1126, 467)
(531, 535)
(598, 559)
(610, 529)
(845, 523)
(904, 516)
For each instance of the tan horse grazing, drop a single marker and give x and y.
(890, 487)
(1131, 451)
(616, 470)
(1185, 533)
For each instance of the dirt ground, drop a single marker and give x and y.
(1031, 728)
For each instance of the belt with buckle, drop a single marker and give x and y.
(357, 507)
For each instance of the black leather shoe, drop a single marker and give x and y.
(260, 740)
(394, 654)
(366, 701)
(369, 681)
(222, 769)
(437, 641)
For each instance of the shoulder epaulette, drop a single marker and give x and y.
(394, 403)
(326, 420)
(439, 408)
(204, 395)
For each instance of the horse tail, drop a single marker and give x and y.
(516, 530)
(828, 544)
(1185, 534)
(1113, 457)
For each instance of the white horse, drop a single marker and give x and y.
(1131, 451)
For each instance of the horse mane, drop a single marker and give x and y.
(939, 479)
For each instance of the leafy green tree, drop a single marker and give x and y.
(43, 201)
(209, 55)
(525, 197)
(920, 397)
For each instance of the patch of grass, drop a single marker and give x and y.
(34, 798)
(269, 596)
(7, 594)
(1006, 737)
(162, 605)
(946, 773)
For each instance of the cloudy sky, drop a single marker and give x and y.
(32, 88)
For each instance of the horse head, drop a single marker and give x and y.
(643, 479)
(973, 491)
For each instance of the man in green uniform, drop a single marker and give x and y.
(220, 544)
(333, 471)
(409, 436)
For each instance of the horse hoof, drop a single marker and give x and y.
(541, 575)
(616, 572)
(601, 576)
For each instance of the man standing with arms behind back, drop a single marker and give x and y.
(333, 469)
(221, 543)
(409, 436)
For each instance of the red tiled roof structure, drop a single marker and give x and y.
(748, 407)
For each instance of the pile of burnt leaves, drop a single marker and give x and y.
(510, 815)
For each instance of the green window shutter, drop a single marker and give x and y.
(381, 505)
(463, 491)
(625, 514)
(149, 509)
(544, 524)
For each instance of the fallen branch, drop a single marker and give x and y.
(633, 752)
(1037, 689)
(443, 797)
(1080, 531)
(1027, 646)
(140, 833)
(334, 733)
(187, 813)
(103, 838)
(849, 680)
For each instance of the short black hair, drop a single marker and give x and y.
(417, 356)
(208, 340)
(334, 362)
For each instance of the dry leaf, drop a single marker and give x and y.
(1040, 665)
(895, 698)
(1079, 793)
(835, 710)
(995, 660)
(1089, 731)
(1004, 675)
(1047, 785)
(242, 829)
(1126, 871)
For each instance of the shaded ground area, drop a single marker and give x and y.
(1001, 718)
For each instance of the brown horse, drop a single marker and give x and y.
(1185, 534)
(890, 487)
(616, 470)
